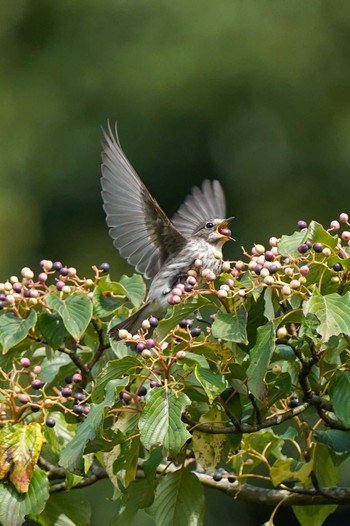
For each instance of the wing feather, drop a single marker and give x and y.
(140, 229)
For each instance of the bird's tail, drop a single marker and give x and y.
(131, 324)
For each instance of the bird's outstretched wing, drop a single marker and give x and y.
(207, 202)
(140, 229)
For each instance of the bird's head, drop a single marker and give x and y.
(215, 231)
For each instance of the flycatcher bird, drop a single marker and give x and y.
(160, 249)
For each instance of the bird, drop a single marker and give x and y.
(161, 249)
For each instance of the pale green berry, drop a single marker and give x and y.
(282, 332)
(294, 284)
(222, 293)
(66, 289)
(146, 325)
(286, 290)
(123, 334)
(268, 280)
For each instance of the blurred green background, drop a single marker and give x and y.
(255, 93)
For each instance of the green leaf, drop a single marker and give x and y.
(160, 422)
(107, 297)
(288, 245)
(15, 507)
(13, 329)
(75, 311)
(332, 311)
(337, 441)
(151, 464)
(179, 500)
(340, 397)
(20, 447)
(181, 312)
(327, 476)
(66, 509)
(139, 495)
(113, 369)
(71, 455)
(285, 469)
(231, 326)
(135, 288)
(52, 329)
(260, 356)
(212, 383)
(269, 310)
(317, 234)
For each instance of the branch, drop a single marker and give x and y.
(245, 428)
(97, 474)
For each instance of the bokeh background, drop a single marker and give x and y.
(254, 93)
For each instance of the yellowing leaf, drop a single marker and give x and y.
(20, 447)
(208, 448)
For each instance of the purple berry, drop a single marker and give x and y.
(140, 347)
(191, 281)
(302, 248)
(27, 293)
(125, 397)
(25, 362)
(150, 343)
(42, 277)
(86, 410)
(37, 384)
(153, 384)
(76, 378)
(269, 255)
(57, 265)
(66, 392)
(2, 297)
(2, 304)
(50, 422)
(64, 271)
(60, 284)
(23, 398)
(78, 409)
(188, 287)
(302, 224)
(17, 287)
(308, 243)
(153, 321)
(318, 247)
(104, 267)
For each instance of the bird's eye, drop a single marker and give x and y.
(209, 225)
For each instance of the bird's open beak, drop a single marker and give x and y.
(223, 229)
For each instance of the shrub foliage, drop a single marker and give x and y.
(244, 386)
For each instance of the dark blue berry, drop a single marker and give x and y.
(34, 408)
(195, 332)
(142, 390)
(57, 265)
(64, 271)
(104, 267)
(188, 287)
(50, 422)
(302, 248)
(153, 321)
(80, 397)
(337, 267)
(68, 379)
(78, 409)
(66, 392)
(217, 476)
(293, 403)
(318, 247)
(273, 268)
(184, 324)
(231, 479)
(258, 269)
